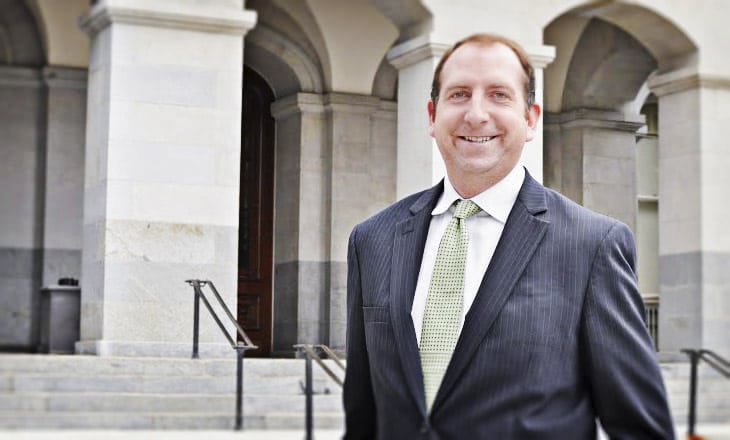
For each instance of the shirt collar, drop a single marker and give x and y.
(496, 200)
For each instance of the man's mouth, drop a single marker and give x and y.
(478, 139)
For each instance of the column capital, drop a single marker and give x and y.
(540, 56)
(297, 103)
(413, 51)
(65, 77)
(387, 110)
(351, 103)
(593, 118)
(187, 16)
(685, 79)
(331, 102)
(14, 76)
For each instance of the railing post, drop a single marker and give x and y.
(308, 391)
(694, 358)
(240, 351)
(196, 320)
(240, 347)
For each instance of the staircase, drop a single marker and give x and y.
(89, 392)
(713, 394)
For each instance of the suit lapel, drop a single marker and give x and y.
(520, 238)
(408, 244)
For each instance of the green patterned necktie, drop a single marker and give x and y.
(445, 299)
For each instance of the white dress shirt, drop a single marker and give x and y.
(485, 229)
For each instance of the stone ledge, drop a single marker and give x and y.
(223, 21)
(153, 349)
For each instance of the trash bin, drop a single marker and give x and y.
(60, 310)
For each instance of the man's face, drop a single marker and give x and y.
(481, 122)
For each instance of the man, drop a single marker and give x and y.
(512, 315)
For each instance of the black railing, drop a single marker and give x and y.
(240, 347)
(712, 359)
(651, 307)
(310, 352)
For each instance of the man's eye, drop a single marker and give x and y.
(500, 96)
(459, 94)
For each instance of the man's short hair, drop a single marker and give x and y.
(487, 39)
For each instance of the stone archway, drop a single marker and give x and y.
(590, 139)
(592, 103)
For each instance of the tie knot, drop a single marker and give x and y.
(465, 208)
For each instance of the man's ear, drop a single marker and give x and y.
(532, 116)
(431, 116)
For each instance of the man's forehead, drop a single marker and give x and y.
(505, 50)
(455, 72)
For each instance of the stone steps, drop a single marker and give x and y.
(168, 420)
(159, 384)
(135, 402)
(87, 392)
(713, 393)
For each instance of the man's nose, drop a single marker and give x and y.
(478, 112)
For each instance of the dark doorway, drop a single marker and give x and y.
(256, 216)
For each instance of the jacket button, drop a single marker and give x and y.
(424, 428)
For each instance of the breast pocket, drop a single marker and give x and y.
(376, 315)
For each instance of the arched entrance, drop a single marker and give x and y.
(255, 237)
(604, 142)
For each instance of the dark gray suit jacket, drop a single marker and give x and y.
(554, 339)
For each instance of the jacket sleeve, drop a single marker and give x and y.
(357, 393)
(621, 366)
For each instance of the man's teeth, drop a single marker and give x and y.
(478, 138)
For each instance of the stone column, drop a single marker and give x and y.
(335, 167)
(22, 161)
(362, 182)
(419, 163)
(162, 171)
(694, 183)
(64, 173)
(533, 153)
(301, 275)
(597, 160)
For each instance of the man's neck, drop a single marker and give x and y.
(470, 186)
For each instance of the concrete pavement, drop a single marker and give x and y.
(707, 431)
(166, 435)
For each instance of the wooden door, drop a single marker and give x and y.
(255, 236)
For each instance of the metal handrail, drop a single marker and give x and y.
(240, 347)
(720, 364)
(310, 352)
(714, 360)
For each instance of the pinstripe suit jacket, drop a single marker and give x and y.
(554, 339)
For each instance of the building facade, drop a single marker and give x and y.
(147, 143)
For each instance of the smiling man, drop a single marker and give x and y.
(490, 307)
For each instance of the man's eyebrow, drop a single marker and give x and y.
(501, 86)
(457, 86)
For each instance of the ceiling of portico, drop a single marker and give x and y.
(410, 16)
(61, 39)
(607, 69)
(338, 46)
(662, 38)
(357, 36)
